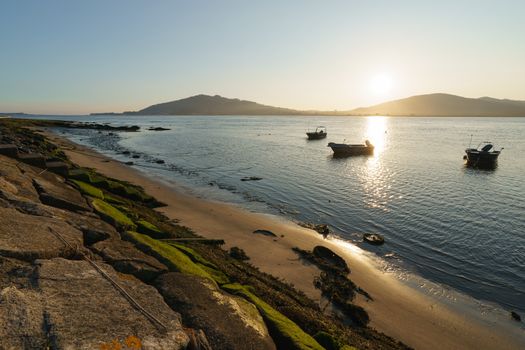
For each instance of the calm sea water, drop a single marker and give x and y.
(456, 226)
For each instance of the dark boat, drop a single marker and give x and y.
(484, 156)
(344, 150)
(319, 133)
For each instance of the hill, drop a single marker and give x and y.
(446, 105)
(213, 105)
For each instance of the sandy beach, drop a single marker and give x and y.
(398, 310)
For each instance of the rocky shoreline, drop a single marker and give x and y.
(87, 262)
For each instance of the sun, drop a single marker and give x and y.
(381, 84)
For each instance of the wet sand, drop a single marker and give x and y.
(399, 310)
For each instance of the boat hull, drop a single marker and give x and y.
(344, 150)
(480, 159)
(316, 135)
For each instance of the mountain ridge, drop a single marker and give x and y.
(434, 104)
(442, 104)
(216, 105)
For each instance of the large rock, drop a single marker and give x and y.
(93, 229)
(21, 319)
(15, 272)
(60, 195)
(85, 311)
(229, 322)
(28, 237)
(11, 172)
(125, 258)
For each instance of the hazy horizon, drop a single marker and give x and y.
(61, 57)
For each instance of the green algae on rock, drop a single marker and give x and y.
(147, 228)
(170, 256)
(112, 215)
(89, 190)
(284, 331)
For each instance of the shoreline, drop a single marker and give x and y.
(400, 311)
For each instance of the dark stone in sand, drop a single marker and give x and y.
(229, 322)
(159, 161)
(373, 238)
(251, 178)
(515, 316)
(329, 256)
(158, 129)
(135, 156)
(265, 232)
(129, 163)
(238, 253)
(126, 152)
(322, 229)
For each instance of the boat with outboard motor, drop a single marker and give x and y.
(483, 156)
(345, 150)
(319, 133)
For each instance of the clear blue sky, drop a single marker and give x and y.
(77, 57)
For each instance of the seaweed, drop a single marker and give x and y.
(239, 254)
(112, 215)
(334, 283)
(89, 190)
(149, 229)
(286, 333)
(121, 188)
(170, 256)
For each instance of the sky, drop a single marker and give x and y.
(78, 57)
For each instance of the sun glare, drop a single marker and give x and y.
(380, 84)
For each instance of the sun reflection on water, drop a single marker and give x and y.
(376, 179)
(376, 133)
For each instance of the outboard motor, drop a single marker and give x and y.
(368, 144)
(487, 148)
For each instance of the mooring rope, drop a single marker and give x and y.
(115, 284)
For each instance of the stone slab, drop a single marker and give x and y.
(85, 311)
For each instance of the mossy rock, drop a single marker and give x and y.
(120, 188)
(327, 341)
(112, 215)
(170, 256)
(128, 191)
(285, 333)
(89, 190)
(113, 200)
(193, 255)
(219, 276)
(80, 174)
(129, 212)
(149, 229)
